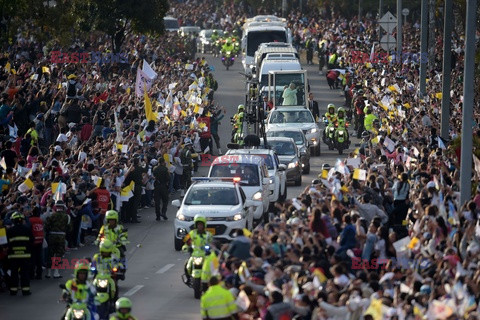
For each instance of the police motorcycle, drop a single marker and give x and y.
(106, 296)
(228, 59)
(78, 297)
(336, 135)
(198, 260)
(120, 242)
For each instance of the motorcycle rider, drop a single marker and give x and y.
(196, 239)
(123, 307)
(215, 43)
(114, 232)
(237, 121)
(369, 119)
(227, 47)
(331, 117)
(80, 290)
(106, 260)
(342, 121)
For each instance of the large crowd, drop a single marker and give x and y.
(380, 235)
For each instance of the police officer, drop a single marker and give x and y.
(369, 119)
(123, 307)
(20, 240)
(162, 180)
(218, 302)
(238, 123)
(134, 174)
(56, 227)
(80, 290)
(186, 159)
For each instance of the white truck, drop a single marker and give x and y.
(277, 62)
(273, 47)
(262, 29)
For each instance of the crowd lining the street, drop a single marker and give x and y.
(383, 237)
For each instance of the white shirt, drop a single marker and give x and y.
(62, 138)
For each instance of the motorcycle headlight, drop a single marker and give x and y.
(340, 133)
(78, 314)
(272, 181)
(313, 130)
(103, 283)
(198, 260)
(257, 196)
(229, 52)
(292, 165)
(236, 217)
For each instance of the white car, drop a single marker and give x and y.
(286, 117)
(222, 202)
(253, 172)
(276, 171)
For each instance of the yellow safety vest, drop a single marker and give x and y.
(368, 122)
(217, 303)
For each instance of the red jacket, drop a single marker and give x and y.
(103, 198)
(86, 132)
(37, 230)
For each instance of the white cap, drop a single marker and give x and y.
(58, 148)
(153, 162)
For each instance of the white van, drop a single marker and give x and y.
(254, 176)
(277, 62)
(171, 24)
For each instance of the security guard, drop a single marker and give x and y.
(332, 60)
(186, 159)
(162, 181)
(331, 117)
(342, 121)
(238, 124)
(20, 240)
(113, 232)
(56, 226)
(218, 303)
(368, 122)
(196, 239)
(227, 47)
(123, 307)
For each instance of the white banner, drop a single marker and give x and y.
(148, 70)
(142, 80)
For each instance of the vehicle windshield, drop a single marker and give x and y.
(297, 136)
(248, 173)
(282, 148)
(201, 196)
(208, 33)
(303, 116)
(170, 23)
(256, 38)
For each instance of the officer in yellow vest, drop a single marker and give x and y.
(368, 122)
(20, 240)
(218, 303)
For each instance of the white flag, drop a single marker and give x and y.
(148, 70)
(142, 81)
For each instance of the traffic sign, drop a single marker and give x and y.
(388, 42)
(405, 12)
(388, 22)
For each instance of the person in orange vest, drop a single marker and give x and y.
(37, 248)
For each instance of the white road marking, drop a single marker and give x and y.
(165, 269)
(132, 291)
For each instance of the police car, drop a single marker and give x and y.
(222, 201)
(276, 171)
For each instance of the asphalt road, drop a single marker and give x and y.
(153, 280)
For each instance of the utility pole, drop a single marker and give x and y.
(380, 14)
(423, 48)
(468, 94)
(399, 31)
(447, 68)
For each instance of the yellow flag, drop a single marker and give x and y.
(438, 95)
(125, 191)
(324, 174)
(128, 90)
(13, 71)
(29, 183)
(183, 113)
(375, 140)
(54, 187)
(8, 67)
(148, 108)
(196, 109)
(413, 243)
(201, 125)
(247, 233)
(209, 114)
(407, 105)
(45, 70)
(375, 309)
(99, 181)
(320, 275)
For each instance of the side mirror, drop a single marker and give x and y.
(253, 203)
(266, 180)
(282, 167)
(176, 203)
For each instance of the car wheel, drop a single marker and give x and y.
(178, 243)
(306, 170)
(298, 182)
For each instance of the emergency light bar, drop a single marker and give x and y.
(224, 179)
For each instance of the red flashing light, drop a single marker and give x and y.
(236, 179)
(115, 269)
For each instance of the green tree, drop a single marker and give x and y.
(119, 17)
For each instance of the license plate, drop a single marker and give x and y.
(211, 230)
